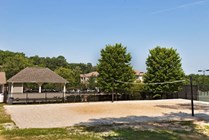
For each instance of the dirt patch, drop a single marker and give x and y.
(116, 109)
(1, 138)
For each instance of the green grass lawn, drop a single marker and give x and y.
(185, 130)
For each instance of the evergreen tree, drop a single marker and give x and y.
(114, 66)
(163, 65)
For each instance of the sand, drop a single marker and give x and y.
(71, 114)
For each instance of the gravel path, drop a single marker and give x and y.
(63, 115)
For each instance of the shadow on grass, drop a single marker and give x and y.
(133, 134)
(201, 111)
(174, 130)
(199, 107)
(169, 126)
(181, 116)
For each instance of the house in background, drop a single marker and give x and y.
(2, 82)
(85, 77)
(139, 75)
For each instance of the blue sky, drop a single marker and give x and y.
(79, 29)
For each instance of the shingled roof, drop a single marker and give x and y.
(139, 73)
(88, 75)
(37, 75)
(2, 78)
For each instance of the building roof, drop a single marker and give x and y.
(88, 75)
(2, 78)
(37, 75)
(95, 73)
(139, 73)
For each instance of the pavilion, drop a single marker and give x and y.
(35, 75)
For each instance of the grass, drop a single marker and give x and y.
(45, 134)
(186, 130)
(131, 134)
(4, 118)
(207, 128)
(144, 135)
(35, 134)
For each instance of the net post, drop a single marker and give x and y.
(192, 99)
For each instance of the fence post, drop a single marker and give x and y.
(63, 96)
(45, 97)
(27, 97)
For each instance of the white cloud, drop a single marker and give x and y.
(180, 7)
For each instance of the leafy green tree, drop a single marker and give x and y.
(51, 63)
(38, 61)
(14, 64)
(84, 68)
(114, 66)
(92, 82)
(163, 65)
(5, 54)
(201, 80)
(73, 77)
(137, 87)
(136, 90)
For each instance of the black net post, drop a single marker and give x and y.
(192, 99)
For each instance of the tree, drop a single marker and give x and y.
(38, 61)
(114, 68)
(84, 68)
(92, 82)
(73, 77)
(14, 64)
(201, 80)
(51, 63)
(163, 65)
(5, 54)
(136, 90)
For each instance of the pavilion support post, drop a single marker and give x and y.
(64, 91)
(12, 89)
(22, 88)
(39, 87)
(2, 88)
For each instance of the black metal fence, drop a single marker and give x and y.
(68, 97)
(185, 93)
(27, 98)
(35, 97)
